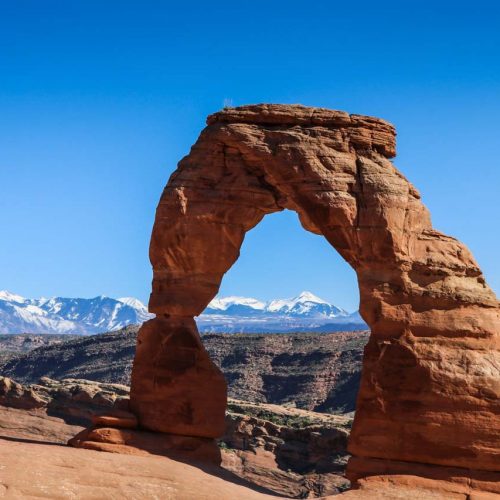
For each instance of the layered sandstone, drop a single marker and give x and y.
(39, 470)
(296, 453)
(179, 389)
(430, 386)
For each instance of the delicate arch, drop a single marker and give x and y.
(430, 369)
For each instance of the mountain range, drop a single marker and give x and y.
(305, 312)
(68, 315)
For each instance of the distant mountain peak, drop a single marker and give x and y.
(305, 311)
(223, 303)
(132, 302)
(309, 297)
(11, 297)
(68, 315)
(302, 298)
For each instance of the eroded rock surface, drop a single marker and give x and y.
(35, 470)
(180, 390)
(287, 451)
(32, 470)
(430, 386)
(297, 453)
(291, 452)
(76, 400)
(32, 465)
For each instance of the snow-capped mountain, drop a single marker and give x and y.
(304, 312)
(68, 315)
(305, 304)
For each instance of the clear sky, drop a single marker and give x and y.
(100, 99)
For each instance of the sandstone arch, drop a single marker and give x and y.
(430, 385)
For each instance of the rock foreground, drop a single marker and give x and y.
(430, 386)
(49, 471)
(291, 452)
(34, 463)
(34, 470)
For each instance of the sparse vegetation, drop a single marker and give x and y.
(224, 446)
(287, 417)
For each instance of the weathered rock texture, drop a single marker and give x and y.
(296, 453)
(291, 452)
(36, 470)
(430, 386)
(74, 400)
(179, 390)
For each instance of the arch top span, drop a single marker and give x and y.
(435, 322)
(363, 130)
(251, 161)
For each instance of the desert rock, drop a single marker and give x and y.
(287, 451)
(35, 470)
(121, 419)
(176, 388)
(430, 386)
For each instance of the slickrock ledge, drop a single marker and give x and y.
(292, 452)
(31, 470)
(305, 445)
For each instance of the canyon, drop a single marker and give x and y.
(318, 372)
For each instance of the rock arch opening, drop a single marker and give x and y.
(313, 366)
(279, 260)
(429, 390)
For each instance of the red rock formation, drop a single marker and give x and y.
(430, 387)
(30, 468)
(176, 388)
(143, 443)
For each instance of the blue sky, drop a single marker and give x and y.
(100, 100)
